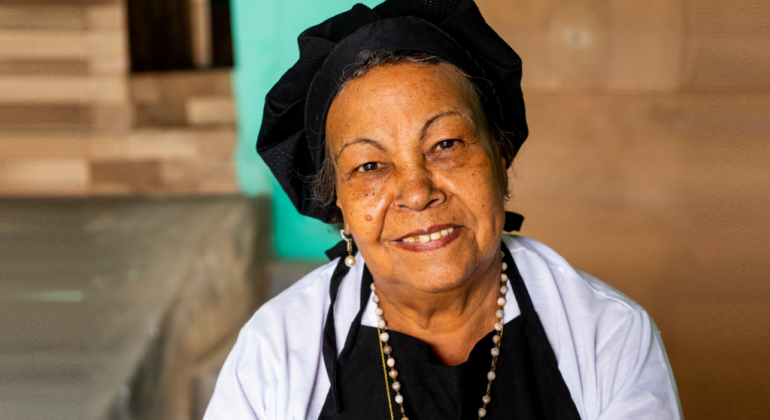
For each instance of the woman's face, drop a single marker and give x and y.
(413, 157)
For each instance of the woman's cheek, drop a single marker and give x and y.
(363, 201)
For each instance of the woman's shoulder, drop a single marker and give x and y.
(541, 267)
(607, 347)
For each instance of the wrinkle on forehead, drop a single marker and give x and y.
(355, 98)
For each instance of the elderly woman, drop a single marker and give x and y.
(398, 123)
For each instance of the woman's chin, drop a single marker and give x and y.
(437, 271)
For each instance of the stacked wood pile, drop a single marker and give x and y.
(73, 121)
(647, 165)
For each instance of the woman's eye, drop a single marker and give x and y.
(368, 167)
(446, 144)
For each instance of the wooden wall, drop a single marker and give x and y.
(74, 121)
(647, 166)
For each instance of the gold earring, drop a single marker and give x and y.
(350, 260)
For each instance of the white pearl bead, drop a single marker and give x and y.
(495, 351)
(399, 399)
(391, 362)
(375, 299)
(500, 313)
(502, 254)
(501, 301)
(503, 277)
(498, 326)
(486, 399)
(384, 337)
(505, 266)
(381, 324)
(503, 290)
(350, 260)
(396, 385)
(495, 339)
(371, 287)
(491, 376)
(378, 311)
(482, 412)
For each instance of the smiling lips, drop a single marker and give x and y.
(428, 237)
(432, 238)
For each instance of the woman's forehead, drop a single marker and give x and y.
(401, 96)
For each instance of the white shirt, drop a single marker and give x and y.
(609, 351)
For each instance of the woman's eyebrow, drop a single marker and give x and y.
(423, 132)
(432, 119)
(360, 140)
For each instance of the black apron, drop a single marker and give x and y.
(528, 386)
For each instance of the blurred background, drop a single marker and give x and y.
(140, 230)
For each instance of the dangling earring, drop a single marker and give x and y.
(507, 194)
(350, 260)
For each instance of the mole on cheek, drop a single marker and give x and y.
(368, 218)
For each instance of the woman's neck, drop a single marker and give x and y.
(451, 321)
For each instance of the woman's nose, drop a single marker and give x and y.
(417, 191)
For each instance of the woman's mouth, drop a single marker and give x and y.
(429, 239)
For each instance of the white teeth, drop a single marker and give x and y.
(427, 238)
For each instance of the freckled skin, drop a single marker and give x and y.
(408, 177)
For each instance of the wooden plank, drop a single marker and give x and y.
(105, 17)
(61, 67)
(167, 87)
(46, 17)
(203, 175)
(108, 65)
(217, 143)
(179, 144)
(125, 176)
(48, 45)
(111, 117)
(48, 3)
(42, 44)
(210, 110)
(44, 116)
(170, 114)
(162, 144)
(63, 90)
(37, 146)
(43, 176)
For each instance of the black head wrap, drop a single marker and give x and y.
(292, 138)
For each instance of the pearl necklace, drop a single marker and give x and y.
(386, 349)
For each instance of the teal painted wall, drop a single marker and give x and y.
(265, 41)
